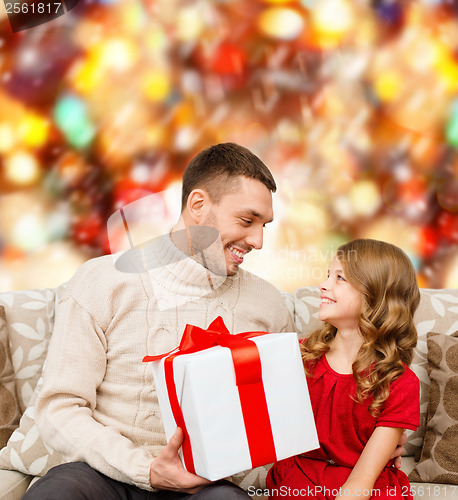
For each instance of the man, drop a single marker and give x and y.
(98, 406)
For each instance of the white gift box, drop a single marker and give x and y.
(207, 393)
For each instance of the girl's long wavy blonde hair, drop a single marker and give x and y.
(390, 296)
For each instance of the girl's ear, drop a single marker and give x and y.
(197, 205)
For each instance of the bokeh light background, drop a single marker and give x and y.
(352, 104)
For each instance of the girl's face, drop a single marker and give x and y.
(340, 302)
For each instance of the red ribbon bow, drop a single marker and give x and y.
(248, 373)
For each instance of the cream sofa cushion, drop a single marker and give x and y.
(9, 408)
(30, 321)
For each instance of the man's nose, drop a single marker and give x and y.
(255, 238)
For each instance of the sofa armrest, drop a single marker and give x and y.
(13, 484)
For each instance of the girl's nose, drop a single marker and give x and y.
(325, 285)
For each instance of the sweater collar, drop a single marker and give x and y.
(175, 277)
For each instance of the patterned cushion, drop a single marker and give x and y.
(9, 408)
(25, 450)
(30, 319)
(306, 305)
(435, 314)
(437, 308)
(439, 456)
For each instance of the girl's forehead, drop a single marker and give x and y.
(336, 264)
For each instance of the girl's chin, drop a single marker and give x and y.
(321, 316)
(325, 320)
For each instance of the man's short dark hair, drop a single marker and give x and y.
(214, 169)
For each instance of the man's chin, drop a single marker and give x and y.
(232, 269)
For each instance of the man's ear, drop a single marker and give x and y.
(197, 205)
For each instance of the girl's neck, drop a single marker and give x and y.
(343, 350)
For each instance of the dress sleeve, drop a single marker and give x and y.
(402, 408)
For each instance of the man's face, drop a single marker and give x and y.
(240, 217)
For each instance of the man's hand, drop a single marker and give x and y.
(167, 471)
(399, 450)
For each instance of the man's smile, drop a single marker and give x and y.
(236, 253)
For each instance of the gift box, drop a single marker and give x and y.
(241, 400)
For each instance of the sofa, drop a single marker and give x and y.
(431, 457)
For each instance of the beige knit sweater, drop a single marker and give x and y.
(98, 402)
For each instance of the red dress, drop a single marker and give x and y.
(344, 427)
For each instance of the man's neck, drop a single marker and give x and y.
(181, 237)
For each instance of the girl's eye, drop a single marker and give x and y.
(340, 277)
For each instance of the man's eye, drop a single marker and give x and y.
(247, 221)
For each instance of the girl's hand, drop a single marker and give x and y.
(397, 455)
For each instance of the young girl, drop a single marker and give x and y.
(363, 394)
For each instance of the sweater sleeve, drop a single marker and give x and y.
(285, 317)
(75, 367)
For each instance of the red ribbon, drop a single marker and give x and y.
(248, 374)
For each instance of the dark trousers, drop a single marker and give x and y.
(78, 481)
